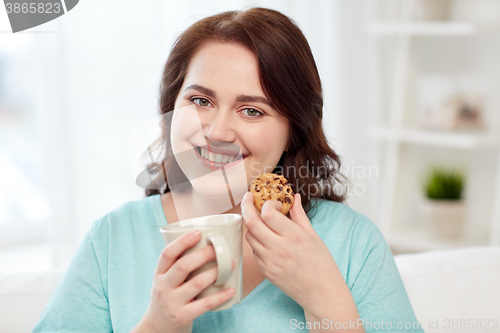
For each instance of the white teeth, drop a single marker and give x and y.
(217, 158)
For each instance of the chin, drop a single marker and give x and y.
(211, 186)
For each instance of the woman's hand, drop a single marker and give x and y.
(289, 253)
(172, 308)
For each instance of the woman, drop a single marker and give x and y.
(251, 78)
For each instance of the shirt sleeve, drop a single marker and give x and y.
(378, 289)
(79, 303)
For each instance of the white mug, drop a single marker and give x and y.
(225, 233)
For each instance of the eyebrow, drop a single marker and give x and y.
(239, 98)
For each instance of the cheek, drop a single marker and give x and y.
(276, 137)
(266, 142)
(185, 125)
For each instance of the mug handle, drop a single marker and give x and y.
(223, 256)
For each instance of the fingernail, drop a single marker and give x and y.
(195, 234)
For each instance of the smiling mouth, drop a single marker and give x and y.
(218, 158)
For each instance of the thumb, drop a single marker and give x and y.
(298, 214)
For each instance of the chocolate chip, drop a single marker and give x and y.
(288, 190)
(268, 182)
(280, 187)
(287, 200)
(257, 188)
(280, 200)
(276, 178)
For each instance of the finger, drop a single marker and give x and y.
(248, 209)
(259, 262)
(202, 305)
(173, 250)
(298, 214)
(189, 290)
(180, 270)
(274, 219)
(254, 223)
(254, 243)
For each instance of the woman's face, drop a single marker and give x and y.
(222, 108)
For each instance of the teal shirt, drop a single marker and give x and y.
(107, 286)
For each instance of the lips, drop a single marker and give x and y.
(216, 157)
(231, 150)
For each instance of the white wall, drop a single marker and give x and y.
(353, 113)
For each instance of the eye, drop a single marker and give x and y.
(201, 101)
(253, 113)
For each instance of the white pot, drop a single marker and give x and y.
(432, 10)
(444, 218)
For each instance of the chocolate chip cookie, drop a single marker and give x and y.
(270, 186)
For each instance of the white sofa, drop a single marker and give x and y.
(453, 290)
(461, 285)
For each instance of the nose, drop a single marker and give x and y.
(218, 126)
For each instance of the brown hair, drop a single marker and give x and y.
(289, 78)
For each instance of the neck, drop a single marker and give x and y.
(235, 210)
(191, 204)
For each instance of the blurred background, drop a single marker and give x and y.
(411, 92)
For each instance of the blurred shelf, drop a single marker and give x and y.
(34, 256)
(397, 63)
(460, 140)
(438, 28)
(419, 240)
(21, 232)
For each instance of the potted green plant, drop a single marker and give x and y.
(443, 206)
